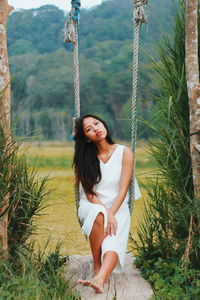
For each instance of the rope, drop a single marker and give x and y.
(71, 36)
(139, 18)
(139, 13)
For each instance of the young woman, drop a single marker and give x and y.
(104, 169)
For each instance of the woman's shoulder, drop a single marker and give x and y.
(127, 153)
(125, 148)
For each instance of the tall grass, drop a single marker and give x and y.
(165, 231)
(24, 274)
(39, 277)
(26, 190)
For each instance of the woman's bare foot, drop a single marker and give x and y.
(96, 271)
(105, 281)
(96, 283)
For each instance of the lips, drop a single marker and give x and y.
(99, 133)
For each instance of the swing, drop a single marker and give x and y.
(71, 36)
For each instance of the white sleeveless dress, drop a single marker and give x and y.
(107, 191)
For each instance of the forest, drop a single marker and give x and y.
(42, 70)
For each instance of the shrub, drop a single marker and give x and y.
(170, 225)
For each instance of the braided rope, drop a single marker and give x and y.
(71, 35)
(139, 18)
(76, 75)
(77, 102)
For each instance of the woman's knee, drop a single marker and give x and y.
(99, 219)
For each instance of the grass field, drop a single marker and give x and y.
(58, 221)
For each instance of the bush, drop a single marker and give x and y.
(168, 237)
(35, 277)
(169, 280)
(25, 275)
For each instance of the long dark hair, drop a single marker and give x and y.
(86, 162)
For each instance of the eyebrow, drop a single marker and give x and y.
(87, 127)
(90, 124)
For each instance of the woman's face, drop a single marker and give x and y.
(94, 130)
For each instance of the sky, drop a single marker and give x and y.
(63, 4)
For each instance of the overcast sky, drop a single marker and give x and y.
(63, 4)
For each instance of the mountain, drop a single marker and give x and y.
(42, 70)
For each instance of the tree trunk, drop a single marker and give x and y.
(193, 86)
(5, 10)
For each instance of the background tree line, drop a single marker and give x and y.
(42, 71)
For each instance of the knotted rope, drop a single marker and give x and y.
(139, 18)
(71, 36)
(72, 22)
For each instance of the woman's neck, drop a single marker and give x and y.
(104, 147)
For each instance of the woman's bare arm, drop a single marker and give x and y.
(111, 227)
(127, 169)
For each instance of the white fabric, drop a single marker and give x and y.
(107, 190)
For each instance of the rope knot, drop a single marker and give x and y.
(76, 5)
(74, 120)
(70, 28)
(139, 13)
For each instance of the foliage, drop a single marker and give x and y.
(169, 279)
(41, 66)
(27, 195)
(26, 192)
(167, 214)
(41, 28)
(35, 277)
(166, 228)
(25, 275)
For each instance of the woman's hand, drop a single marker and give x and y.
(112, 224)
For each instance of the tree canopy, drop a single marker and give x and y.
(42, 71)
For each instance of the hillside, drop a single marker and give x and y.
(41, 65)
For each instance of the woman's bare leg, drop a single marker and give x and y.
(109, 262)
(96, 238)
